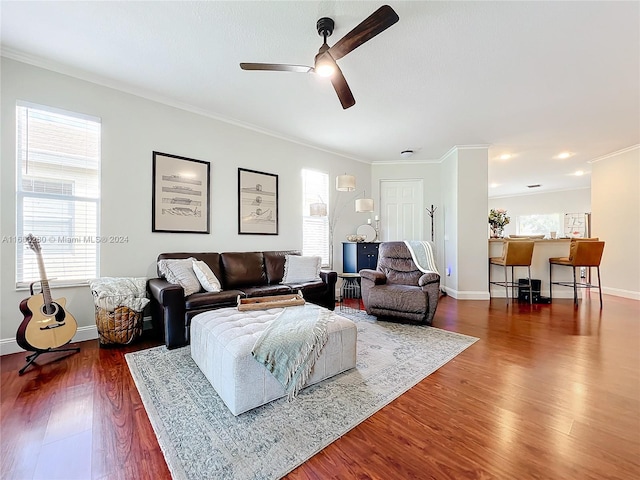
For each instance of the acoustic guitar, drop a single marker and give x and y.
(46, 323)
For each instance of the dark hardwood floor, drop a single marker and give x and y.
(549, 392)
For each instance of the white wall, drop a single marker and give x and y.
(473, 250)
(568, 201)
(448, 177)
(133, 127)
(464, 178)
(615, 218)
(429, 173)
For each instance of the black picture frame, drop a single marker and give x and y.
(181, 194)
(257, 202)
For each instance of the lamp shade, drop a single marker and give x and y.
(345, 183)
(318, 209)
(364, 205)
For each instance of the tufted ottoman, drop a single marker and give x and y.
(221, 344)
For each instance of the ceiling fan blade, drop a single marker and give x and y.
(371, 26)
(341, 87)
(276, 67)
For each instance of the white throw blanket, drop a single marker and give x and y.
(112, 292)
(289, 347)
(422, 255)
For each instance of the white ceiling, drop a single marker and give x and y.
(531, 79)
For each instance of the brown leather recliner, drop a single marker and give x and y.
(397, 288)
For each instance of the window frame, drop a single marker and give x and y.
(537, 218)
(68, 240)
(321, 194)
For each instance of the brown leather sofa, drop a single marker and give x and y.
(397, 289)
(247, 274)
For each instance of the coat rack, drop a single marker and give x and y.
(431, 211)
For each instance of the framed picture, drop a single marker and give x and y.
(257, 203)
(180, 194)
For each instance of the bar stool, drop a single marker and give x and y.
(582, 253)
(514, 254)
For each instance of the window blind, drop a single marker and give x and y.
(315, 230)
(58, 194)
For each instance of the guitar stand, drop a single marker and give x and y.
(31, 358)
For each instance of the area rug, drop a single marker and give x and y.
(201, 439)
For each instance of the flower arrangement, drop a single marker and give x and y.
(498, 218)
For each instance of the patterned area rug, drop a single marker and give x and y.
(201, 439)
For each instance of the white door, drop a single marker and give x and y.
(402, 212)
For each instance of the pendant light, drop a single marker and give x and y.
(345, 183)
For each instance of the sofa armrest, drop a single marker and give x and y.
(168, 311)
(327, 297)
(428, 278)
(378, 278)
(329, 277)
(159, 288)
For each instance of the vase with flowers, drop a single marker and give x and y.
(498, 218)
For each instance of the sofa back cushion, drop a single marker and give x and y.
(211, 259)
(243, 269)
(274, 264)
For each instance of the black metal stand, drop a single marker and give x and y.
(31, 358)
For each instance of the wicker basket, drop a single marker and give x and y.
(120, 327)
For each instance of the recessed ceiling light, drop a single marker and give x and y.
(494, 185)
(579, 173)
(564, 155)
(505, 156)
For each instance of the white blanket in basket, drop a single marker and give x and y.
(112, 292)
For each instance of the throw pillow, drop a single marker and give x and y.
(301, 269)
(206, 277)
(180, 272)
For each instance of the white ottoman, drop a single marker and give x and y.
(221, 344)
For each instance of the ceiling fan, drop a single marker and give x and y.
(325, 61)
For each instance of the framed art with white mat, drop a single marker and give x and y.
(257, 202)
(180, 201)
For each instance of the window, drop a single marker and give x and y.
(315, 230)
(538, 224)
(58, 194)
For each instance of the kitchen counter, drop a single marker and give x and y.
(544, 249)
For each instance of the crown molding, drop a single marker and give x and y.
(407, 162)
(527, 194)
(462, 147)
(614, 154)
(80, 74)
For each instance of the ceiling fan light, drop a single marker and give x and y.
(324, 68)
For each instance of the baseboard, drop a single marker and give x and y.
(474, 295)
(468, 295)
(9, 345)
(618, 292)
